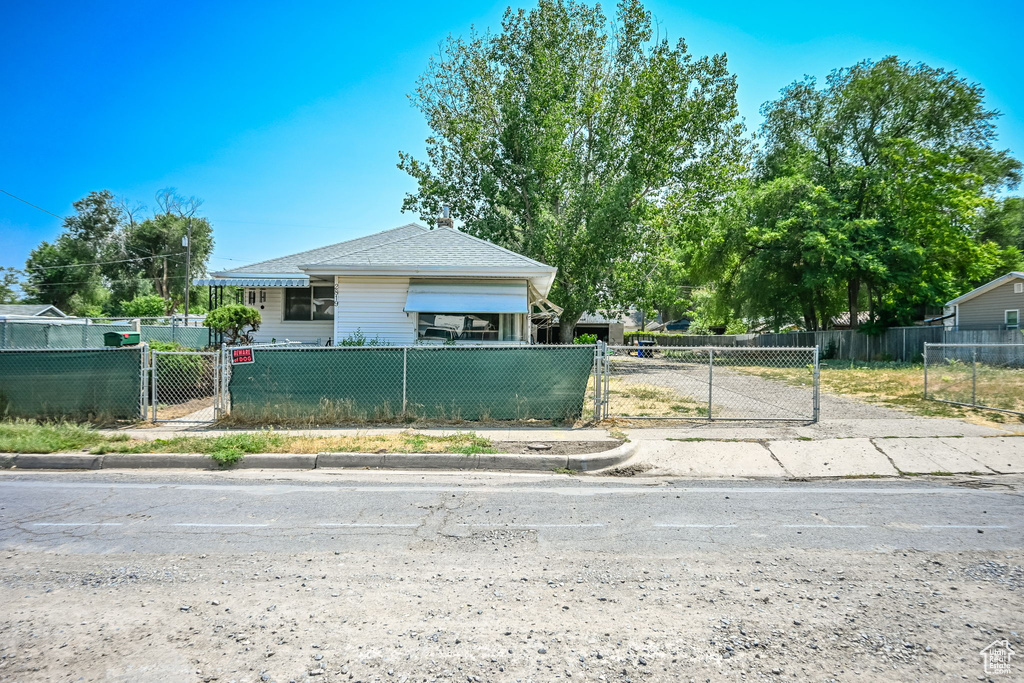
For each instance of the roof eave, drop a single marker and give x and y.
(985, 287)
(447, 271)
(542, 277)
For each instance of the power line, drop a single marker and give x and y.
(101, 263)
(30, 204)
(101, 282)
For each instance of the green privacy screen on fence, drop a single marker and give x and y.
(94, 383)
(470, 383)
(24, 335)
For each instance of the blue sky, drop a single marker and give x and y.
(287, 118)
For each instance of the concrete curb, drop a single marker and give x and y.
(585, 462)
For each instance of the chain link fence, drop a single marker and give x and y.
(74, 384)
(707, 383)
(79, 335)
(403, 383)
(989, 376)
(184, 386)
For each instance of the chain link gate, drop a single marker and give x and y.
(185, 386)
(649, 382)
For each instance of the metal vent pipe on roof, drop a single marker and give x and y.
(445, 221)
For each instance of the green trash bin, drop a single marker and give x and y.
(120, 338)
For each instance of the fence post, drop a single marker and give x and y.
(225, 377)
(924, 356)
(216, 387)
(143, 394)
(606, 370)
(711, 378)
(3, 334)
(974, 376)
(817, 377)
(156, 381)
(405, 376)
(598, 379)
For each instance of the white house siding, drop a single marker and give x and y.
(987, 311)
(373, 307)
(275, 327)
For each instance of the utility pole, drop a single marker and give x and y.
(186, 242)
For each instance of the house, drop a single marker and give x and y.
(407, 285)
(996, 305)
(30, 311)
(608, 329)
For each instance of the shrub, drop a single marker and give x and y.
(151, 306)
(232, 321)
(357, 338)
(585, 339)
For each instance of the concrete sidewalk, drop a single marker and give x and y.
(725, 450)
(857, 457)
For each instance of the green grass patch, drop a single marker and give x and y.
(25, 436)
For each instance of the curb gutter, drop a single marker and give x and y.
(583, 462)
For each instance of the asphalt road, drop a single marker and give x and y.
(319, 577)
(169, 513)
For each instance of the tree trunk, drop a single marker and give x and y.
(567, 327)
(853, 292)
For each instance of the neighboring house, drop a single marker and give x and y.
(30, 311)
(407, 285)
(607, 329)
(842, 321)
(996, 305)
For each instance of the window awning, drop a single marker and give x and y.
(253, 281)
(467, 297)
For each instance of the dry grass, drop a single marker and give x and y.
(645, 400)
(901, 386)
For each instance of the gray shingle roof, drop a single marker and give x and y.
(438, 248)
(26, 309)
(290, 264)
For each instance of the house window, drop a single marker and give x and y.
(1018, 287)
(452, 327)
(309, 303)
(1012, 319)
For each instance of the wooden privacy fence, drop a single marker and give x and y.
(894, 344)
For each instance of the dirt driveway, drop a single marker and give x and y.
(665, 386)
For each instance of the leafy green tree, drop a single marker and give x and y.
(562, 136)
(233, 320)
(66, 272)
(148, 256)
(150, 306)
(869, 193)
(10, 283)
(1003, 223)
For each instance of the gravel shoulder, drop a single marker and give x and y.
(500, 606)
